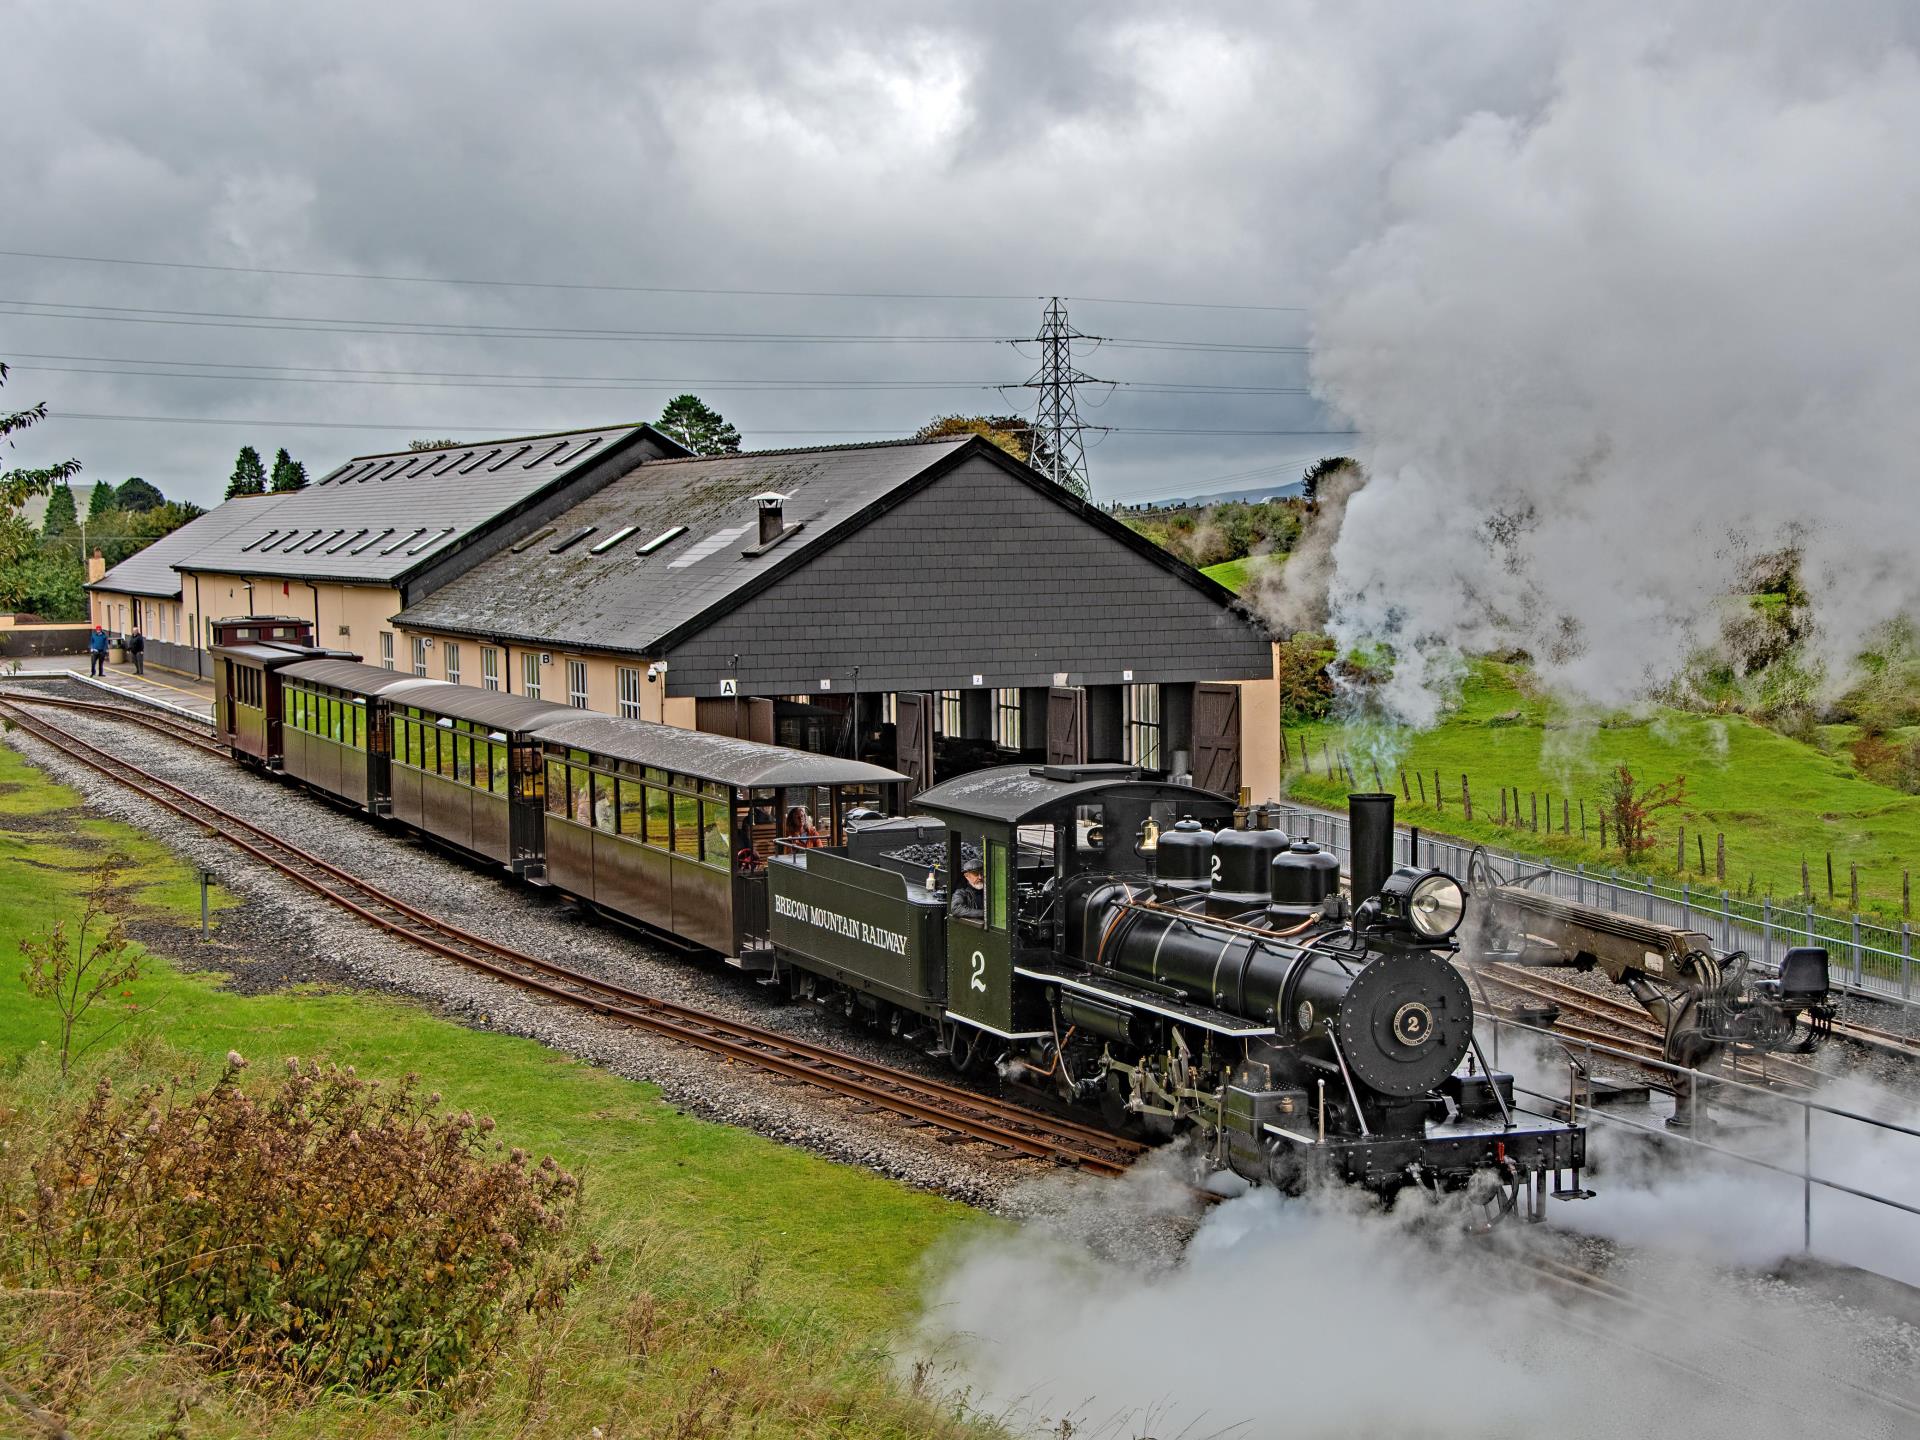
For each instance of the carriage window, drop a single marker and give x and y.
(463, 758)
(996, 883)
(448, 753)
(657, 830)
(605, 807)
(498, 751)
(556, 788)
(715, 846)
(633, 810)
(686, 825)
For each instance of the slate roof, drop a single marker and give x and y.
(150, 571)
(379, 518)
(743, 764)
(1014, 794)
(614, 597)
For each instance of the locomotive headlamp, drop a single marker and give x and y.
(1429, 902)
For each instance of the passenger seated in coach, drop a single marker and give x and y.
(801, 830)
(969, 900)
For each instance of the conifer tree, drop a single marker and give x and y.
(249, 475)
(62, 517)
(103, 501)
(288, 473)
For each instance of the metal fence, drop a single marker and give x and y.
(1868, 958)
(1842, 1131)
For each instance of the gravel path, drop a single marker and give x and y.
(283, 934)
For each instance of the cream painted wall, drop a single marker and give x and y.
(351, 616)
(1260, 737)
(603, 675)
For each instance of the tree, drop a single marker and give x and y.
(249, 475)
(1631, 807)
(699, 427)
(431, 444)
(1011, 433)
(1322, 470)
(99, 960)
(18, 542)
(102, 502)
(288, 473)
(61, 518)
(135, 495)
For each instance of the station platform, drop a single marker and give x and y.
(184, 692)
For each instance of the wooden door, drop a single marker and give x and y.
(746, 717)
(913, 741)
(1216, 738)
(1066, 725)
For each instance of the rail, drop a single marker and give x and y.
(1690, 1083)
(919, 1100)
(1870, 959)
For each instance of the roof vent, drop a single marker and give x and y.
(772, 515)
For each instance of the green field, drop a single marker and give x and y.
(1238, 575)
(1777, 800)
(749, 1289)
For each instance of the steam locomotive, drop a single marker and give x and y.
(1108, 939)
(1132, 948)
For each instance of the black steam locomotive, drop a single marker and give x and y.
(1120, 942)
(1109, 939)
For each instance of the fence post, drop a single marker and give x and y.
(1417, 775)
(1906, 894)
(1566, 817)
(1405, 793)
(1857, 957)
(1503, 805)
(1680, 850)
(1466, 795)
(1700, 844)
(1829, 877)
(1720, 857)
(1806, 885)
(1534, 800)
(1603, 829)
(1377, 786)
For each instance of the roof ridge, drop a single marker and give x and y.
(812, 449)
(501, 440)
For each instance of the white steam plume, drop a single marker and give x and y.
(1606, 345)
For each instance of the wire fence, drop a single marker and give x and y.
(1869, 958)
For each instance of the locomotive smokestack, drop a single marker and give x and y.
(1370, 828)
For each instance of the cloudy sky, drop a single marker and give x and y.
(954, 162)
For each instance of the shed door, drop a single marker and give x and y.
(746, 717)
(1066, 725)
(913, 735)
(1216, 738)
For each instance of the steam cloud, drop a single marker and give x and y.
(1610, 341)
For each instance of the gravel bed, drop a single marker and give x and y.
(282, 934)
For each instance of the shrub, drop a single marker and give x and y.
(327, 1231)
(1631, 806)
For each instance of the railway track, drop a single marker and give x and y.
(1642, 1037)
(182, 730)
(959, 1112)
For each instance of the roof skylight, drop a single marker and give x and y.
(414, 535)
(612, 540)
(259, 540)
(573, 540)
(664, 537)
(365, 545)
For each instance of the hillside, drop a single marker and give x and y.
(1777, 800)
(1238, 575)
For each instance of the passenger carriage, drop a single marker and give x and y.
(674, 828)
(336, 734)
(466, 770)
(247, 700)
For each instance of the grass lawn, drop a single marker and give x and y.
(1238, 575)
(749, 1289)
(1777, 800)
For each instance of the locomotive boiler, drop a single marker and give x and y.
(1147, 949)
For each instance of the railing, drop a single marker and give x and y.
(1868, 958)
(1838, 1127)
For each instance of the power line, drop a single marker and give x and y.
(609, 288)
(330, 325)
(499, 380)
(426, 427)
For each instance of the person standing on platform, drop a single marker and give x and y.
(137, 648)
(97, 652)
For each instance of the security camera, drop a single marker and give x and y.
(653, 671)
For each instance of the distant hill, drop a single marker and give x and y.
(1292, 490)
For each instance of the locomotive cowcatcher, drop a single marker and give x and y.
(1149, 949)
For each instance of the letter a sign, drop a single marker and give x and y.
(729, 687)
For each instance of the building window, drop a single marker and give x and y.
(629, 692)
(1006, 719)
(577, 684)
(947, 717)
(419, 654)
(489, 667)
(386, 649)
(1143, 726)
(451, 656)
(530, 675)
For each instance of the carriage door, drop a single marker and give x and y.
(1216, 738)
(913, 737)
(1066, 725)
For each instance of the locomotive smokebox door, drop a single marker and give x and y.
(979, 927)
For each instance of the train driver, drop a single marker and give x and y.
(969, 896)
